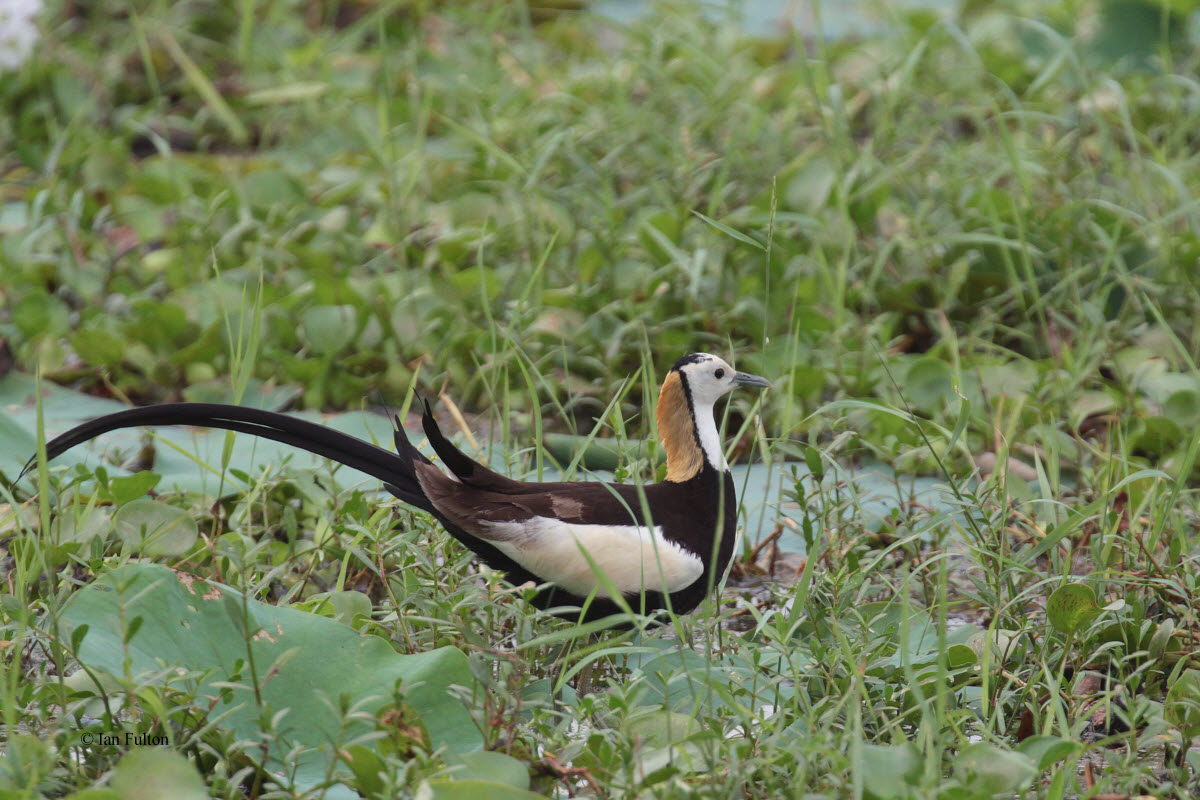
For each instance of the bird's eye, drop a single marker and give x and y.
(719, 374)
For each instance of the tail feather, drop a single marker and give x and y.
(396, 470)
(465, 468)
(411, 492)
(393, 469)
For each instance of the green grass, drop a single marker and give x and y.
(951, 245)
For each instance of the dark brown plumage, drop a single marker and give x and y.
(663, 545)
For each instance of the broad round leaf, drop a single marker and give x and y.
(81, 528)
(928, 382)
(445, 789)
(1183, 408)
(890, 770)
(960, 655)
(1004, 646)
(486, 765)
(328, 329)
(367, 766)
(150, 773)
(349, 605)
(660, 728)
(155, 529)
(127, 488)
(97, 346)
(1072, 607)
(345, 606)
(154, 616)
(988, 770)
(1046, 751)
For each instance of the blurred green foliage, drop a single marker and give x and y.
(454, 185)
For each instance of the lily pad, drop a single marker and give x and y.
(153, 772)
(155, 529)
(1046, 751)
(890, 770)
(149, 625)
(661, 728)
(487, 765)
(928, 383)
(473, 789)
(82, 526)
(989, 770)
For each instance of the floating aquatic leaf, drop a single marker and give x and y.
(473, 790)
(155, 528)
(890, 770)
(148, 773)
(309, 666)
(486, 765)
(1046, 751)
(989, 770)
(928, 383)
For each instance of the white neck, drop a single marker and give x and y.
(710, 438)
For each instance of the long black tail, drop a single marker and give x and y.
(394, 469)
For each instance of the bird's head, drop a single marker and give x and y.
(685, 412)
(709, 378)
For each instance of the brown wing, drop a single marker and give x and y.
(571, 534)
(590, 503)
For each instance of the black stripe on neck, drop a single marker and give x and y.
(687, 392)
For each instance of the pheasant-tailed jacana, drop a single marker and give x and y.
(660, 545)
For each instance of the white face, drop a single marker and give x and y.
(709, 378)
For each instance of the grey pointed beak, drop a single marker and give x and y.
(746, 379)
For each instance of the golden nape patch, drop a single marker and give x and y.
(677, 431)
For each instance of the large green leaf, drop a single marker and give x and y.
(890, 770)
(148, 773)
(473, 789)
(486, 765)
(155, 528)
(329, 329)
(928, 383)
(1046, 751)
(306, 666)
(1071, 607)
(988, 770)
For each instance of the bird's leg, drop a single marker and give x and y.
(583, 681)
